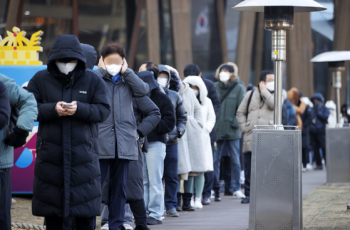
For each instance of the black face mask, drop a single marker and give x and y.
(66, 60)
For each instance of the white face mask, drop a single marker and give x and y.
(196, 92)
(65, 68)
(270, 86)
(113, 69)
(224, 77)
(162, 81)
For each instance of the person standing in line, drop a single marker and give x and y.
(71, 102)
(318, 128)
(12, 136)
(231, 95)
(153, 160)
(201, 162)
(210, 179)
(256, 109)
(304, 119)
(171, 158)
(118, 133)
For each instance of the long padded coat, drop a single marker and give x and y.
(67, 171)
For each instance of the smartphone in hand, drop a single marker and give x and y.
(66, 104)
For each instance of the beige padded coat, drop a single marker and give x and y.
(260, 112)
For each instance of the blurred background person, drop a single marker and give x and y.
(318, 128)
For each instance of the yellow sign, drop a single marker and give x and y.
(16, 49)
(276, 52)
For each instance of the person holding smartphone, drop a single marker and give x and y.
(118, 134)
(71, 100)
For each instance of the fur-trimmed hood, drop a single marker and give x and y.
(197, 81)
(235, 71)
(175, 79)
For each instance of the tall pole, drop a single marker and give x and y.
(336, 82)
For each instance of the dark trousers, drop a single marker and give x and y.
(209, 179)
(139, 211)
(318, 142)
(247, 172)
(118, 172)
(170, 176)
(305, 156)
(225, 172)
(5, 199)
(56, 223)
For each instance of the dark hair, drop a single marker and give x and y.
(113, 48)
(150, 64)
(264, 74)
(250, 87)
(192, 70)
(226, 67)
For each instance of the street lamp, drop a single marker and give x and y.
(337, 149)
(276, 189)
(279, 17)
(336, 64)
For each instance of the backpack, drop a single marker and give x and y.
(249, 100)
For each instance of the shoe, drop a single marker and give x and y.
(320, 167)
(128, 227)
(172, 212)
(246, 200)
(198, 204)
(228, 193)
(212, 194)
(152, 221)
(309, 167)
(304, 170)
(178, 206)
(206, 201)
(238, 195)
(217, 195)
(141, 228)
(105, 227)
(186, 202)
(192, 201)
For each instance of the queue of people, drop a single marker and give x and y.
(137, 144)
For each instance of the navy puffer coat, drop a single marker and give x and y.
(67, 172)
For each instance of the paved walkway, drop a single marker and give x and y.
(229, 214)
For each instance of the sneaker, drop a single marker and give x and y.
(217, 196)
(304, 170)
(198, 204)
(238, 195)
(105, 227)
(212, 194)
(319, 167)
(206, 201)
(127, 227)
(192, 201)
(309, 167)
(246, 200)
(152, 221)
(172, 212)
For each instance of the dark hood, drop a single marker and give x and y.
(317, 96)
(90, 55)
(65, 46)
(148, 77)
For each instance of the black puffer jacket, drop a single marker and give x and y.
(180, 113)
(162, 101)
(67, 171)
(147, 116)
(4, 106)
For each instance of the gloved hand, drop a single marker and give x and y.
(17, 138)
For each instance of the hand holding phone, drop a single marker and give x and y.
(66, 104)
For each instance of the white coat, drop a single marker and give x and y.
(203, 161)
